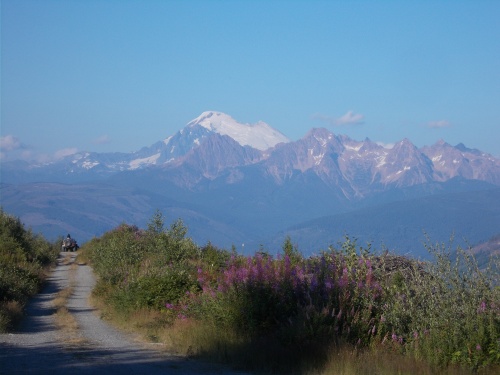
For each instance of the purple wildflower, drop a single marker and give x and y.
(482, 307)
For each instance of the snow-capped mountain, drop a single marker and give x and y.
(260, 135)
(213, 144)
(362, 168)
(237, 183)
(451, 161)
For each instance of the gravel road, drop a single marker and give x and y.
(39, 347)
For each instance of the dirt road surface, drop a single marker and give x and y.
(39, 346)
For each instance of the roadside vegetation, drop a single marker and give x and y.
(25, 258)
(348, 310)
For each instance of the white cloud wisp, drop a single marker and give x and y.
(348, 119)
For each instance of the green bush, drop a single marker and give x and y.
(156, 291)
(171, 244)
(23, 257)
(117, 254)
(446, 311)
(145, 268)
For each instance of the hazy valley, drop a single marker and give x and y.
(235, 184)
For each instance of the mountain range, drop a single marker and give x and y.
(235, 184)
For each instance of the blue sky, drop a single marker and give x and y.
(119, 75)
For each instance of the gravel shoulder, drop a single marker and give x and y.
(95, 347)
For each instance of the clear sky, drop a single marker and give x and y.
(119, 75)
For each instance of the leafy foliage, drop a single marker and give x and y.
(23, 256)
(144, 268)
(445, 312)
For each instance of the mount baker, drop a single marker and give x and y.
(236, 183)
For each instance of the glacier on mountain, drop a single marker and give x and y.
(215, 145)
(137, 163)
(259, 135)
(234, 183)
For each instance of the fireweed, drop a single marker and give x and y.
(444, 312)
(440, 312)
(323, 298)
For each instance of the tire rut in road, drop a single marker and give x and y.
(36, 343)
(91, 346)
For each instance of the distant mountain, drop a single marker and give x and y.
(487, 251)
(245, 183)
(451, 161)
(214, 142)
(260, 135)
(490, 247)
(402, 226)
(89, 166)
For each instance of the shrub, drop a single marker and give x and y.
(23, 258)
(445, 312)
(328, 298)
(144, 268)
(118, 253)
(155, 291)
(442, 312)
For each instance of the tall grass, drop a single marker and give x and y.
(289, 314)
(448, 312)
(24, 258)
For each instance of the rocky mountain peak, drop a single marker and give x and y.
(259, 135)
(214, 142)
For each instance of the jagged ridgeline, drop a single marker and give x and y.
(236, 184)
